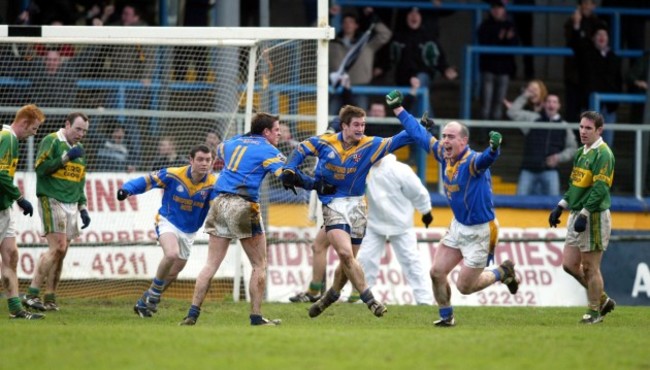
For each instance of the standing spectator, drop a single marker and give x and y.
(113, 155)
(544, 150)
(55, 73)
(25, 124)
(132, 63)
(60, 187)
(589, 224)
(167, 155)
(637, 82)
(393, 191)
(473, 232)
(529, 104)
(359, 69)
(600, 71)
(345, 159)
(496, 69)
(235, 212)
(179, 218)
(416, 52)
(524, 24)
(580, 26)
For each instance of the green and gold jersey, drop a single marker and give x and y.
(591, 179)
(8, 163)
(54, 179)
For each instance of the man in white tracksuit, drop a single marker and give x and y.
(393, 191)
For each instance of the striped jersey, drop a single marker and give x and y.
(591, 178)
(9, 192)
(63, 182)
(467, 182)
(184, 204)
(345, 169)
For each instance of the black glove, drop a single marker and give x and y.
(75, 153)
(122, 194)
(580, 224)
(324, 188)
(289, 180)
(26, 206)
(554, 217)
(427, 219)
(426, 121)
(85, 218)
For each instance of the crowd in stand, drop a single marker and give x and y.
(380, 46)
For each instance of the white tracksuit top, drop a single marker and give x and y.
(393, 190)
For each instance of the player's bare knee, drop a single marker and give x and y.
(464, 287)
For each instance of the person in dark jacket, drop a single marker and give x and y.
(496, 69)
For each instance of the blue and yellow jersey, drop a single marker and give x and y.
(345, 169)
(247, 159)
(8, 163)
(468, 183)
(184, 204)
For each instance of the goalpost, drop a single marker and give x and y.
(146, 89)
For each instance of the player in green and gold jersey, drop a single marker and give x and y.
(590, 224)
(26, 123)
(60, 187)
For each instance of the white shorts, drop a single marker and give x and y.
(185, 240)
(7, 229)
(351, 211)
(58, 217)
(595, 237)
(474, 242)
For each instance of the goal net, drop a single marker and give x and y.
(152, 94)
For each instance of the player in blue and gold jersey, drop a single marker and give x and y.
(473, 233)
(235, 212)
(187, 192)
(345, 159)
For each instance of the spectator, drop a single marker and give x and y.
(167, 155)
(524, 24)
(415, 52)
(359, 69)
(529, 104)
(54, 73)
(113, 156)
(212, 140)
(544, 150)
(600, 71)
(637, 82)
(98, 13)
(633, 29)
(132, 63)
(580, 26)
(496, 69)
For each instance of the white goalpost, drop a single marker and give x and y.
(141, 86)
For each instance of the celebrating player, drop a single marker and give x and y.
(345, 159)
(473, 233)
(590, 224)
(60, 187)
(187, 192)
(235, 212)
(26, 122)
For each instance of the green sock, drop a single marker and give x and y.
(593, 313)
(315, 288)
(14, 304)
(50, 297)
(34, 292)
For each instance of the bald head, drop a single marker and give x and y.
(458, 127)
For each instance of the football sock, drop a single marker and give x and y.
(603, 297)
(315, 288)
(593, 313)
(50, 297)
(33, 292)
(14, 304)
(367, 296)
(194, 311)
(157, 286)
(497, 273)
(446, 312)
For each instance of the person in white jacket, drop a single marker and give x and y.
(393, 190)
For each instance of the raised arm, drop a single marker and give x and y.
(417, 132)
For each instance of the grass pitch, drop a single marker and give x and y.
(95, 334)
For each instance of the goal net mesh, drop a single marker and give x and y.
(148, 105)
